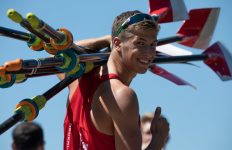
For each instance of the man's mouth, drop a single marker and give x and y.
(145, 61)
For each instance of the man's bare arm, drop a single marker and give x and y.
(125, 116)
(93, 45)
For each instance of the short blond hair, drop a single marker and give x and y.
(147, 116)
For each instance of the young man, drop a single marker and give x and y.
(28, 136)
(103, 111)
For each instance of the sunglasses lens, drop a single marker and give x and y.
(139, 17)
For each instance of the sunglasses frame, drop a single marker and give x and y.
(134, 19)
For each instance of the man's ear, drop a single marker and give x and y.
(13, 146)
(117, 43)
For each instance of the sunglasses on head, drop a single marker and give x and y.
(134, 19)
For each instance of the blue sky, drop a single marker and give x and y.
(199, 119)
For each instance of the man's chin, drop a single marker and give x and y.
(143, 71)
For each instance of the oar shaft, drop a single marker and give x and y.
(10, 122)
(45, 28)
(93, 57)
(53, 61)
(169, 40)
(35, 71)
(42, 74)
(42, 62)
(178, 59)
(27, 26)
(19, 116)
(58, 87)
(16, 34)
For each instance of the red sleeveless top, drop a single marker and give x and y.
(79, 132)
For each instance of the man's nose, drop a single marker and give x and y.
(150, 50)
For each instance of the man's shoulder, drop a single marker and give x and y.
(119, 90)
(125, 92)
(125, 97)
(117, 94)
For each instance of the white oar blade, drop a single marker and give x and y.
(172, 50)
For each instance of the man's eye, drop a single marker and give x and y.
(140, 43)
(154, 44)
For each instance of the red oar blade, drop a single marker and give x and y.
(169, 76)
(199, 29)
(168, 10)
(220, 61)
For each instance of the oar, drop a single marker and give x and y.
(196, 32)
(211, 57)
(28, 109)
(62, 60)
(206, 56)
(16, 17)
(60, 39)
(217, 57)
(8, 78)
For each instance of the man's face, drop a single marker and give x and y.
(139, 50)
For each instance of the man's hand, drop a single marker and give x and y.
(159, 128)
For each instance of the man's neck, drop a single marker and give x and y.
(116, 66)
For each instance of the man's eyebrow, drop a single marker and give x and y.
(142, 39)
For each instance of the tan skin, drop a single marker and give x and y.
(115, 109)
(127, 59)
(159, 128)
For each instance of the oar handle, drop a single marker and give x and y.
(13, 65)
(16, 17)
(2, 71)
(44, 27)
(60, 39)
